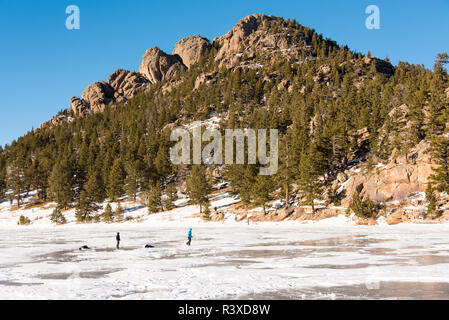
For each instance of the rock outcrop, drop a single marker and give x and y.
(78, 106)
(246, 36)
(191, 49)
(98, 95)
(382, 66)
(402, 177)
(157, 65)
(127, 84)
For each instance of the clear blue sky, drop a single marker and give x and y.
(43, 64)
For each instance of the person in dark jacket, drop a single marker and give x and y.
(118, 239)
(189, 237)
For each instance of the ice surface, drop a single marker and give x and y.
(328, 259)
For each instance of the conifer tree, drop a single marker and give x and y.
(57, 217)
(432, 211)
(61, 182)
(132, 179)
(116, 181)
(206, 212)
(41, 169)
(439, 151)
(118, 213)
(361, 208)
(198, 186)
(171, 196)
(94, 186)
(154, 201)
(17, 176)
(2, 176)
(86, 206)
(262, 188)
(286, 173)
(310, 169)
(107, 214)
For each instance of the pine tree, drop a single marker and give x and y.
(206, 212)
(94, 186)
(118, 213)
(432, 211)
(198, 186)
(242, 180)
(361, 208)
(17, 176)
(310, 169)
(171, 196)
(132, 179)
(439, 151)
(61, 182)
(154, 201)
(2, 175)
(107, 214)
(85, 207)
(286, 173)
(57, 217)
(116, 181)
(41, 169)
(262, 188)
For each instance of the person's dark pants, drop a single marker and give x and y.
(188, 241)
(118, 244)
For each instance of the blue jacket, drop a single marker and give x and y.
(190, 233)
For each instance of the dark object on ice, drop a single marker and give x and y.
(118, 239)
(84, 248)
(149, 246)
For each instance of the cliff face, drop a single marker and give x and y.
(401, 178)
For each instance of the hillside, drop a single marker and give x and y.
(357, 134)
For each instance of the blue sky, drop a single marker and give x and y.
(43, 64)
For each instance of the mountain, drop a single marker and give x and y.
(357, 134)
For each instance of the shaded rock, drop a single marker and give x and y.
(323, 73)
(405, 215)
(382, 66)
(127, 84)
(342, 177)
(157, 65)
(78, 106)
(98, 95)
(399, 113)
(190, 49)
(365, 221)
(204, 78)
(394, 218)
(284, 84)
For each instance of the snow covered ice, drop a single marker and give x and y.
(329, 259)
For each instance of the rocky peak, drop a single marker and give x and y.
(237, 37)
(126, 84)
(157, 65)
(98, 95)
(191, 49)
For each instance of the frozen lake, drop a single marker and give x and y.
(264, 261)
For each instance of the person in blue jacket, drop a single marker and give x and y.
(189, 236)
